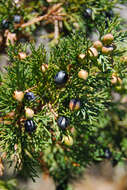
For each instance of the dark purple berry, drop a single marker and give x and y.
(88, 13)
(114, 162)
(109, 14)
(5, 24)
(61, 78)
(29, 126)
(74, 104)
(107, 153)
(63, 122)
(60, 187)
(17, 19)
(29, 96)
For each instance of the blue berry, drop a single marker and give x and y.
(88, 13)
(63, 122)
(107, 153)
(109, 14)
(5, 24)
(29, 126)
(17, 19)
(114, 162)
(61, 78)
(29, 96)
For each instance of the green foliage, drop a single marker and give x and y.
(71, 15)
(27, 11)
(76, 13)
(91, 127)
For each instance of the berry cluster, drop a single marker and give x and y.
(29, 113)
(60, 79)
(106, 47)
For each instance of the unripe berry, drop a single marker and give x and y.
(68, 140)
(75, 164)
(22, 55)
(108, 38)
(18, 95)
(74, 104)
(76, 25)
(83, 74)
(93, 52)
(69, 67)
(81, 56)
(98, 45)
(44, 67)
(107, 50)
(29, 112)
(114, 79)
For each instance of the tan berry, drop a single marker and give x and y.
(18, 95)
(68, 140)
(93, 52)
(69, 67)
(98, 45)
(15, 147)
(29, 113)
(81, 56)
(75, 164)
(76, 25)
(114, 80)
(22, 55)
(83, 74)
(108, 38)
(44, 67)
(107, 50)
